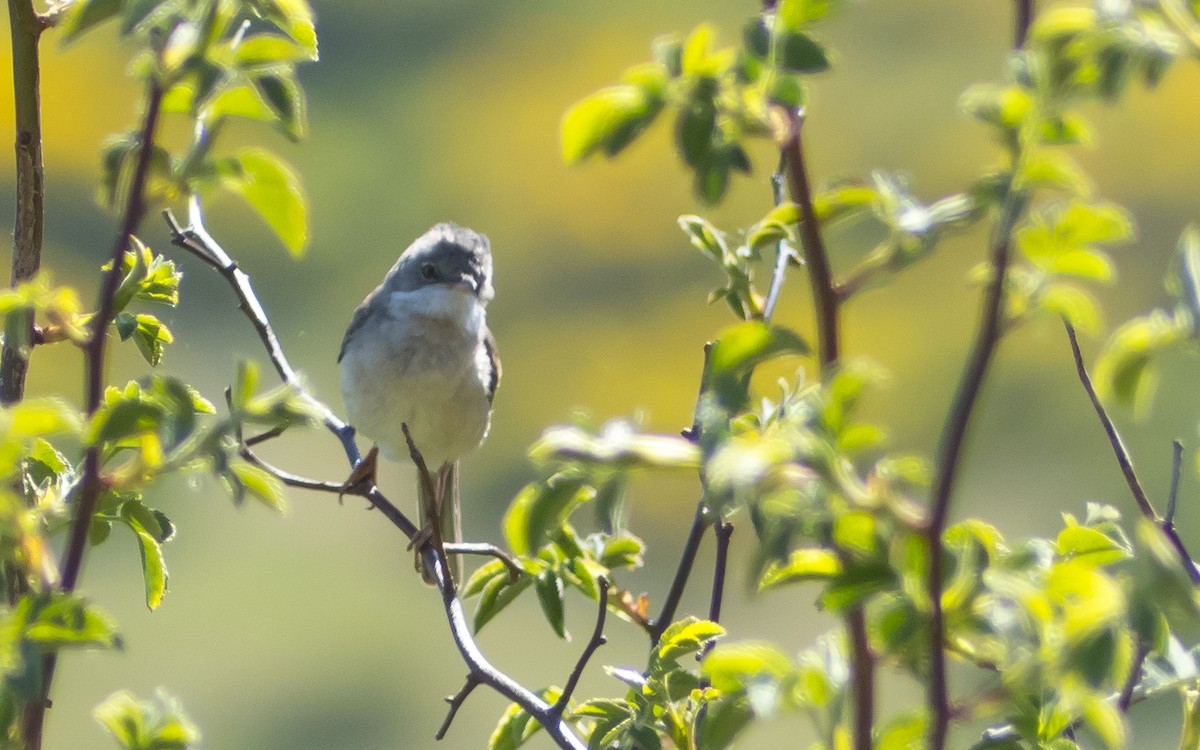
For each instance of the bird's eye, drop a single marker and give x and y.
(429, 271)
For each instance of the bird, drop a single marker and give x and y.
(418, 354)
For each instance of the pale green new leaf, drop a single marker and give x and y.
(686, 636)
(801, 565)
(273, 190)
(154, 566)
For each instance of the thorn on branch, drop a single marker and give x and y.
(597, 640)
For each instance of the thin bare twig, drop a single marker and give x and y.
(596, 641)
(701, 520)
(1022, 22)
(1125, 698)
(1176, 468)
(724, 533)
(291, 480)
(700, 523)
(196, 239)
(812, 245)
(485, 549)
(456, 702)
(263, 437)
(1125, 462)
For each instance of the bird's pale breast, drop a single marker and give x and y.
(422, 362)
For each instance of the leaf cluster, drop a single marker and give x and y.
(720, 97)
(212, 61)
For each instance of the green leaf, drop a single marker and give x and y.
(124, 419)
(1183, 283)
(260, 483)
(482, 576)
(151, 336)
(1097, 222)
(745, 345)
(711, 181)
(1052, 169)
(617, 445)
(607, 122)
(66, 620)
(1089, 545)
(539, 509)
(757, 38)
(1091, 265)
(496, 595)
(731, 667)
(905, 732)
(1065, 129)
(286, 99)
(1190, 738)
(269, 49)
(83, 15)
(549, 587)
(799, 53)
(294, 18)
(35, 417)
(801, 565)
(149, 532)
(686, 636)
(695, 131)
(1127, 367)
(1076, 305)
(141, 725)
(796, 13)
(704, 236)
(273, 190)
(141, 13)
(697, 59)
(1104, 718)
(622, 550)
(723, 720)
(516, 726)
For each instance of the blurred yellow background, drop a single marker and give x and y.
(311, 631)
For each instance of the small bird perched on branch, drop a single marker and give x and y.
(418, 353)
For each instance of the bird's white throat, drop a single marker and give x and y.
(452, 304)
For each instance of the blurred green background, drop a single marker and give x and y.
(311, 630)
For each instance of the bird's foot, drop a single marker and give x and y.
(422, 539)
(362, 479)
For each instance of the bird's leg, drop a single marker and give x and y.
(433, 506)
(362, 478)
(430, 507)
(431, 496)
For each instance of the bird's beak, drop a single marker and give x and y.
(468, 284)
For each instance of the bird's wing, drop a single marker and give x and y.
(489, 345)
(359, 319)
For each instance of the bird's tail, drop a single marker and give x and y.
(449, 506)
